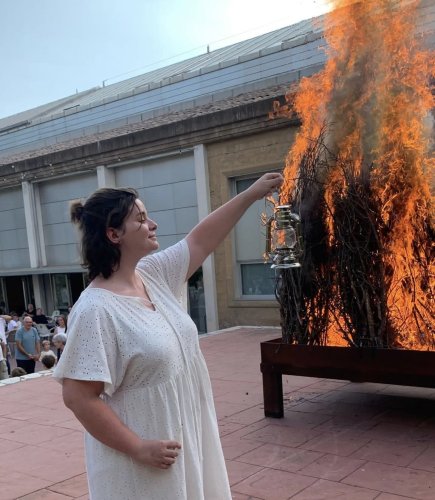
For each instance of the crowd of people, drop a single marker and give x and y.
(22, 345)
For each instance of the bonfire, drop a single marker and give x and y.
(359, 175)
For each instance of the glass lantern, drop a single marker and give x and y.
(283, 240)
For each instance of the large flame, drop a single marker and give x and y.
(372, 105)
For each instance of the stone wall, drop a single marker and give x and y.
(232, 158)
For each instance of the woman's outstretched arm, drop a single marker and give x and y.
(206, 236)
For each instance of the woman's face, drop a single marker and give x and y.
(139, 232)
(61, 321)
(58, 345)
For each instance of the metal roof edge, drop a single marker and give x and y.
(181, 77)
(177, 77)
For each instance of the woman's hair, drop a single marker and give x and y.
(18, 372)
(107, 207)
(62, 316)
(59, 337)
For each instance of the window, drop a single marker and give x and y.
(255, 279)
(66, 289)
(61, 292)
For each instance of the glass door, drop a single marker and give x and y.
(196, 301)
(29, 295)
(61, 292)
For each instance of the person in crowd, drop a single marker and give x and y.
(18, 372)
(59, 342)
(28, 347)
(4, 372)
(30, 310)
(48, 361)
(14, 322)
(4, 318)
(132, 370)
(13, 325)
(46, 350)
(61, 324)
(40, 318)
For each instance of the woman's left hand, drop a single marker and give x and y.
(266, 185)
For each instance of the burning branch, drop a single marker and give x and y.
(358, 176)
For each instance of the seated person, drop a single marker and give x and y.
(30, 311)
(40, 317)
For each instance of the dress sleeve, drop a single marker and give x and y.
(171, 265)
(91, 351)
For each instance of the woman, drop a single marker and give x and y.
(61, 325)
(59, 342)
(132, 370)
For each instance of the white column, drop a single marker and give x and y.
(37, 291)
(204, 208)
(105, 176)
(39, 226)
(31, 225)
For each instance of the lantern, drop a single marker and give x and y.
(283, 238)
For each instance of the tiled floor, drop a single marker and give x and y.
(338, 440)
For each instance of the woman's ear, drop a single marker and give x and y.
(113, 235)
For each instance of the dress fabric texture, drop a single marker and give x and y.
(155, 379)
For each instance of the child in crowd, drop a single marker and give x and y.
(46, 351)
(49, 360)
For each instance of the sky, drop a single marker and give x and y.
(55, 48)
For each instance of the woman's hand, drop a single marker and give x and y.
(266, 185)
(210, 232)
(160, 454)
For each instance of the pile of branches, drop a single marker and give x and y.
(343, 283)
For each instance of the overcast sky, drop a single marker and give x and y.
(53, 48)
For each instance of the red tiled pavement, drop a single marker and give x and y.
(337, 439)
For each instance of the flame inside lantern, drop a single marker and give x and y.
(359, 173)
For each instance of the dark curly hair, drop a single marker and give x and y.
(107, 207)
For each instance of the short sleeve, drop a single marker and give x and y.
(36, 335)
(91, 351)
(171, 265)
(19, 335)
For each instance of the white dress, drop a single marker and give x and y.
(155, 379)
